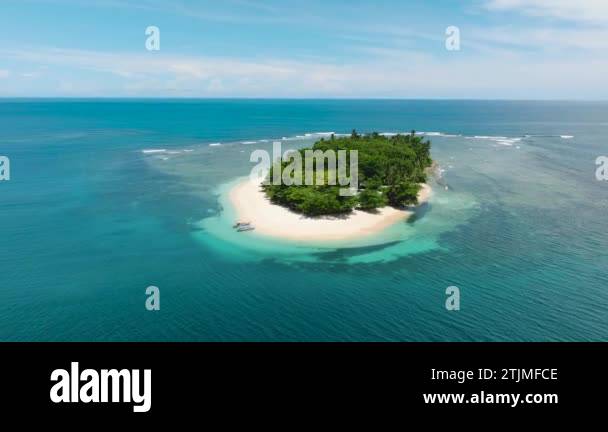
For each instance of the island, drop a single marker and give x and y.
(392, 175)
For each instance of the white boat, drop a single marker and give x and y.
(247, 227)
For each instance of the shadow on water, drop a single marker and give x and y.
(419, 212)
(343, 254)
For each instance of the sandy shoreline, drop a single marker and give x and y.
(251, 205)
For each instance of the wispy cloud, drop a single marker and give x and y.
(571, 41)
(388, 76)
(227, 11)
(570, 10)
(348, 53)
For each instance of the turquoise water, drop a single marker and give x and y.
(91, 217)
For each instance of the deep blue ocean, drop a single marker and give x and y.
(108, 197)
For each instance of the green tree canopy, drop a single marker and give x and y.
(390, 171)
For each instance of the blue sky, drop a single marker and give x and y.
(516, 49)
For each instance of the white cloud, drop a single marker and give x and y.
(375, 74)
(560, 41)
(4, 73)
(594, 11)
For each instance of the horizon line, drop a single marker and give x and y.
(201, 98)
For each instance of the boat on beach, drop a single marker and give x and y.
(243, 226)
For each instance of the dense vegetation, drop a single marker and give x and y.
(390, 171)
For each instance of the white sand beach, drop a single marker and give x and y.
(251, 205)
